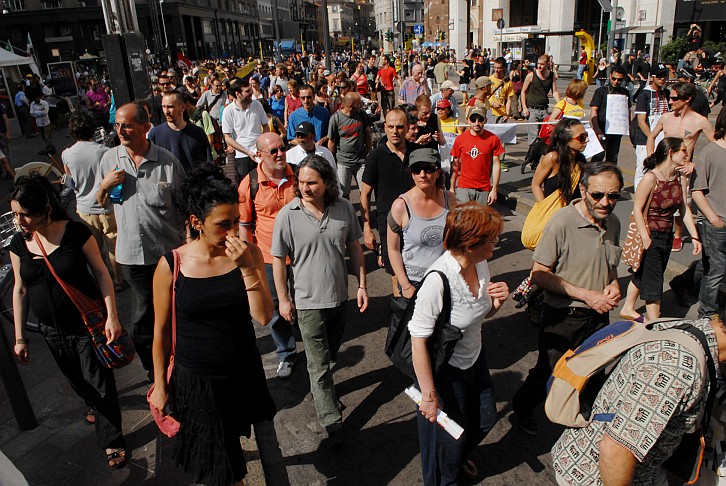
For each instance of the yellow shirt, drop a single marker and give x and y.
(571, 111)
(501, 91)
(449, 125)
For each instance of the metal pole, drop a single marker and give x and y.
(613, 28)
(326, 33)
(166, 39)
(277, 28)
(599, 34)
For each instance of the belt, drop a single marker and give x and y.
(542, 107)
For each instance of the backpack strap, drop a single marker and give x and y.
(254, 187)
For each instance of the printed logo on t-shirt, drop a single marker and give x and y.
(474, 152)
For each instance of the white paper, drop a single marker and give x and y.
(654, 118)
(455, 430)
(593, 144)
(445, 151)
(617, 116)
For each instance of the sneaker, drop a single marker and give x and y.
(527, 424)
(504, 167)
(677, 244)
(284, 370)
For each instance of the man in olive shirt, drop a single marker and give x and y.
(576, 264)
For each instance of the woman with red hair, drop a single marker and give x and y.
(463, 387)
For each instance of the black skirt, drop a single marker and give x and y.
(214, 412)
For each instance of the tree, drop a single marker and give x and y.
(674, 50)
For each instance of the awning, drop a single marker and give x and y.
(645, 29)
(287, 45)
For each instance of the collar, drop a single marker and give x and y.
(583, 222)
(262, 175)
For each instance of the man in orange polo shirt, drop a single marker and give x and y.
(262, 193)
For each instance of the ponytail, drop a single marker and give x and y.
(660, 154)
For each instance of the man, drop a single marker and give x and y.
(213, 99)
(480, 99)
(631, 68)
(279, 79)
(708, 194)
(582, 63)
(654, 395)
(148, 224)
(242, 123)
(385, 82)
(203, 120)
(312, 232)
(387, 173)
(305, 137)
(699, 103)
(599, 111)
(413, 87)
(100, 103)
(447, 93)
(173, 80)
(683, 123)
(275, 183)
(535, 95)
(502, 92)
(650, 105)
(475, 162)
(576, 264)
(318, 115)
(185, 140)
(371, 71)
(157, 113)
(441, 70)
(349, 140)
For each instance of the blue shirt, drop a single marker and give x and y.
(319, 118)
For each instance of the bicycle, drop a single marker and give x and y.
(52, 170)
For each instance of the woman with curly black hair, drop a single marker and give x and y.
(217, 389)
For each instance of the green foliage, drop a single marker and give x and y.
(715, 47)
(674, 50)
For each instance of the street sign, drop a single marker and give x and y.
(401, 26)
(497, 14)
(500, 24)
(418, 29)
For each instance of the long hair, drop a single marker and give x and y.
(660, 154)
(327, 174)
(561, 136)
(37, 196)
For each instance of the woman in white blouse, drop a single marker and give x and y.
(470, 235)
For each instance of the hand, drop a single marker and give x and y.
(718, 224)
(492, 197)
(697, 246)
(8, 136)
(409, 291)
(612, 291)
(362, 297)
(230, 149)
(646, 242)
(498, 291)
(113, 329)
(496, 104)
(429, 409)
(159, 399)
(287, 309)
(21, 353)
(600, 302)
(686, 169)
(369, 239)
(240, 252)
(113, 178)
(525, 113)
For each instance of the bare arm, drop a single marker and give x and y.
(688, 217)
(496, 173)
(20, 310)
(163, 278)
(231, 142)
(279, 273)
(523, 95)
(113, 327)
(368, 138)
(593, 121)
(455, 166)
(111, 179)
(425, 377)
(331, 146)
(617, 464)
(650, 144)
(398, 213)
(645, 187)
(643, 124)
(369, 238)
(704, 206)
(248, 257)
(355, 252)
(555, 91)
(543, 277)
(543, 171)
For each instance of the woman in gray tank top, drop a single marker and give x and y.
(416, 221)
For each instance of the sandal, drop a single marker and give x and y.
(90, 417)
(638, 318)
(111, 457)
(469, 470)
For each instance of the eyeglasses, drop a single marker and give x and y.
(676, 98)
(476, 119)
(617, 80)
(613, 196)
(426, 167)
(275, 151)
(582, 138)
(306, 97)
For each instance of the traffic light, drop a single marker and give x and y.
(389, 36)
(443, 35)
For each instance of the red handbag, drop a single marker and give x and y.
(167, 424)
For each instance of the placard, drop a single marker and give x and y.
(64, 78)
(593, 144)
(617, 116)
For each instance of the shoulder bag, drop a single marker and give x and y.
(633, 246)
(167, 424)
(93, 312)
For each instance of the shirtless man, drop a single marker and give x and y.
(684, 123)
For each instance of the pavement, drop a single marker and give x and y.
(381, 445)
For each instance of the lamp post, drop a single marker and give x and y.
(163, 26)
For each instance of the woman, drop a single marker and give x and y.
(571, 106)
(719, 81)
(665, 186)
(292, 101)
(277, 102)
(71, 250)
(321, 96)
(449, 124)
(416, 221)
(560, 168)
(361, 80)
(601, 76)
(257, 94)
(463, 388)
(218, 387)
(465, 79)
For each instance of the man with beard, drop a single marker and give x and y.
(576, 264)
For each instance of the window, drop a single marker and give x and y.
(14, 4)
(51, 4)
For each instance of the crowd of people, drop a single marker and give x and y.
(226, 200)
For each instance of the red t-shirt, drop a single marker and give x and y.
(387, 75)
(475, 155)
(583, 57)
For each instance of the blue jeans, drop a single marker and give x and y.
(581, 71)
(280, 329)
(467, 397)
(714, 267)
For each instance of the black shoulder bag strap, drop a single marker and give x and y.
(214, 102)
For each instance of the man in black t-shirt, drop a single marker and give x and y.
(598, 115)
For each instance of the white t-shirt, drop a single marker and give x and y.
(467, 311)
(244, 125)
(297, 154)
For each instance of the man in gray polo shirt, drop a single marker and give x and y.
(576, 264)
(148, 224)
(313, 230)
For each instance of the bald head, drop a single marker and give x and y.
(268, 139)
(351, 99)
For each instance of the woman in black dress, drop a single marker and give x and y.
(71, 250)
(218, 388)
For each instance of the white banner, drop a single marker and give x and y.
(507, 132)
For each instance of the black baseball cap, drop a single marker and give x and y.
(304, 128)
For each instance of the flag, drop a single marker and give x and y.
(182, 61)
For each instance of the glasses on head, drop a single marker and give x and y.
(617, 80)
(275, 151)
(613, 196)
(582, 138)
(426, 167)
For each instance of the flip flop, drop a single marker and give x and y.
(90, 417)
(638, 318)
(117, 454)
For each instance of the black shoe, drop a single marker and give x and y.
(527, 424)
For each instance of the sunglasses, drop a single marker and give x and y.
(676, 98)
(275, 151)
(426, 167)
(682, 149)
(582, 138)
(613, 196)
(617, 80)
(476, 119)
(306, 97)
(164, 84)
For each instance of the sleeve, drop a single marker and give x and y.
(429, 304)
(17, 245)
(202, 99)
(291, 126)
(699, 181)
(355, 233)
(78, 232)
(641, 106)
(326, 123)
(370, 173)
(597, 99)
(227, 125)
(456, 149)
(281, 235)
(498, 148)
(264, 119)
(333, 129)
(547, 250)
(207, 124)
(245, 202)
(561, 105)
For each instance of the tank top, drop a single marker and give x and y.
(667, 198)
(423, 241)
(538, 89)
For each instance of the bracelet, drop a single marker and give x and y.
(431, 395)
(249, 275)
(695, 239)
(403, 290)
(254, 286)
(21, 341)
(362, 288)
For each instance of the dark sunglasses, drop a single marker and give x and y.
(426, 167)
(618, 80)
(476, 119)
(613, 196)
(164, 84)
(306, 97)
(582, 138)
(275, 151)
(677, 98)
